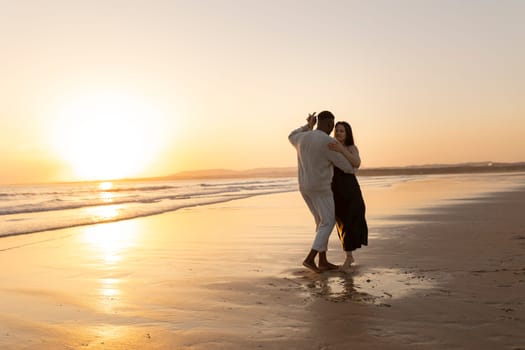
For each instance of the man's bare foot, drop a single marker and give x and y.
(311, 265)
(327, 266)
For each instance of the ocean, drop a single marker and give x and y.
(26, 209)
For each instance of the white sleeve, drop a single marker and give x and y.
(294, 135)
(340, 161)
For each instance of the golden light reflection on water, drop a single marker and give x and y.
(109, 287)
(106, 197)
(108, 247)
(111, 241)
(103, 213)
(110, 332)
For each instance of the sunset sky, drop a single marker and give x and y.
(108, 89)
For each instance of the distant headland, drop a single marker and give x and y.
(480, 167)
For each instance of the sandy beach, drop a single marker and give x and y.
(444, 269)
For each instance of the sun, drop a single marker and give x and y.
(108, 135)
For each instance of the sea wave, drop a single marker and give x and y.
(35, 208)
(73, 217)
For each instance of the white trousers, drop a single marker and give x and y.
(321, 204)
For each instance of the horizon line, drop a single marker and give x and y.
(285, 171)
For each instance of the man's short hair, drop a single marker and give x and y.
(325, 115)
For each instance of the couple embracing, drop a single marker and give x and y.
(327, 182)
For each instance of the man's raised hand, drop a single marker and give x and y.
(312, 119)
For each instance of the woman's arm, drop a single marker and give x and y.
(351, 153)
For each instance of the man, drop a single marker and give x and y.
(315, 168)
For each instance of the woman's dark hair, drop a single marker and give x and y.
(349, 141)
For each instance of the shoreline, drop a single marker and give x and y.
(478, 183)
(228, 276)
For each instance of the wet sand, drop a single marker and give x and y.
(437, 274)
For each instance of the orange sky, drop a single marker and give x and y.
(105, 89)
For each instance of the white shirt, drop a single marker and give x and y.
(315, 159)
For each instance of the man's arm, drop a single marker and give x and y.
(339, 160)
(350, 152)
(310, 123)
(294, 135)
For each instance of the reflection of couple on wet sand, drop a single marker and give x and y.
(327, 182)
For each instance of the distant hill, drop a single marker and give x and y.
(227, 173)
(480, 167)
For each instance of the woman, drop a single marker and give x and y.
(349, 204)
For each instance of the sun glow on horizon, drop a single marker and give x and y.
(108, 135)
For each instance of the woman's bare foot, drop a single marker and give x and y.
(349, 259)
(348, 262)
(345, 269)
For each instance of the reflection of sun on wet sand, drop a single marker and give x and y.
(229, 276)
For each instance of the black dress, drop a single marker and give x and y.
(349, 210)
